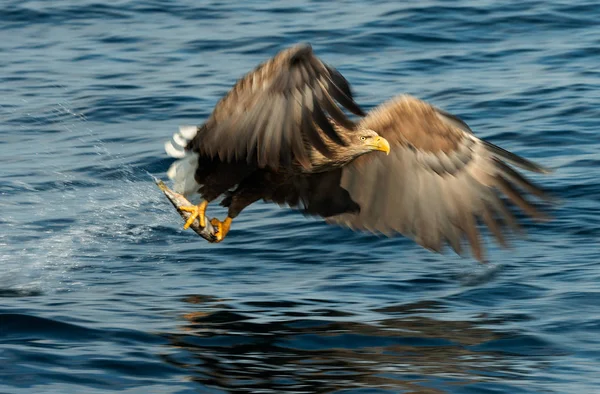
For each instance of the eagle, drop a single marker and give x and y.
(406, 167)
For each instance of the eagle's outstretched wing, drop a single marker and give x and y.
(438, 181)
(270, 114)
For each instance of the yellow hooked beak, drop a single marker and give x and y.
(382, 144)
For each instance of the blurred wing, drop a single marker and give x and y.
(272, 112)
(438, 181)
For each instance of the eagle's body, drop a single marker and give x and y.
(279, 136)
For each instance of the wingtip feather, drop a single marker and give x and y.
(515, 159)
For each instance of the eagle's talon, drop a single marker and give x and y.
(197, 212)
(221, 228)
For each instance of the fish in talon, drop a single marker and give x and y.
(196, 212)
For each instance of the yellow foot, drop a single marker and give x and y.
(197, 212)
(221, 227)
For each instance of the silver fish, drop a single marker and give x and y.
(208, 232)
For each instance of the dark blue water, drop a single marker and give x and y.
(101, 290)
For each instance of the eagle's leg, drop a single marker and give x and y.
(250, 190)
(197, 212)
(222, 227)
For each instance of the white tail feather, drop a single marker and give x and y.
(182, 172)
(180, 140)
(173, 151)
(188, 132)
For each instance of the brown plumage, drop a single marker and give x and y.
(438, 182)
(278, 124)
(278, 135)
(276, 113)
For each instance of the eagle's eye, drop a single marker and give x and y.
(363, 138)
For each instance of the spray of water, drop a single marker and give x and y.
(59, 220)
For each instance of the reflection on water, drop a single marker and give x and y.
(310, 347)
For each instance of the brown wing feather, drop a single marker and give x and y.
(272, 112)
(438, 182)
(315, 194)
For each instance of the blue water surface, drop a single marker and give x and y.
(102, 291)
